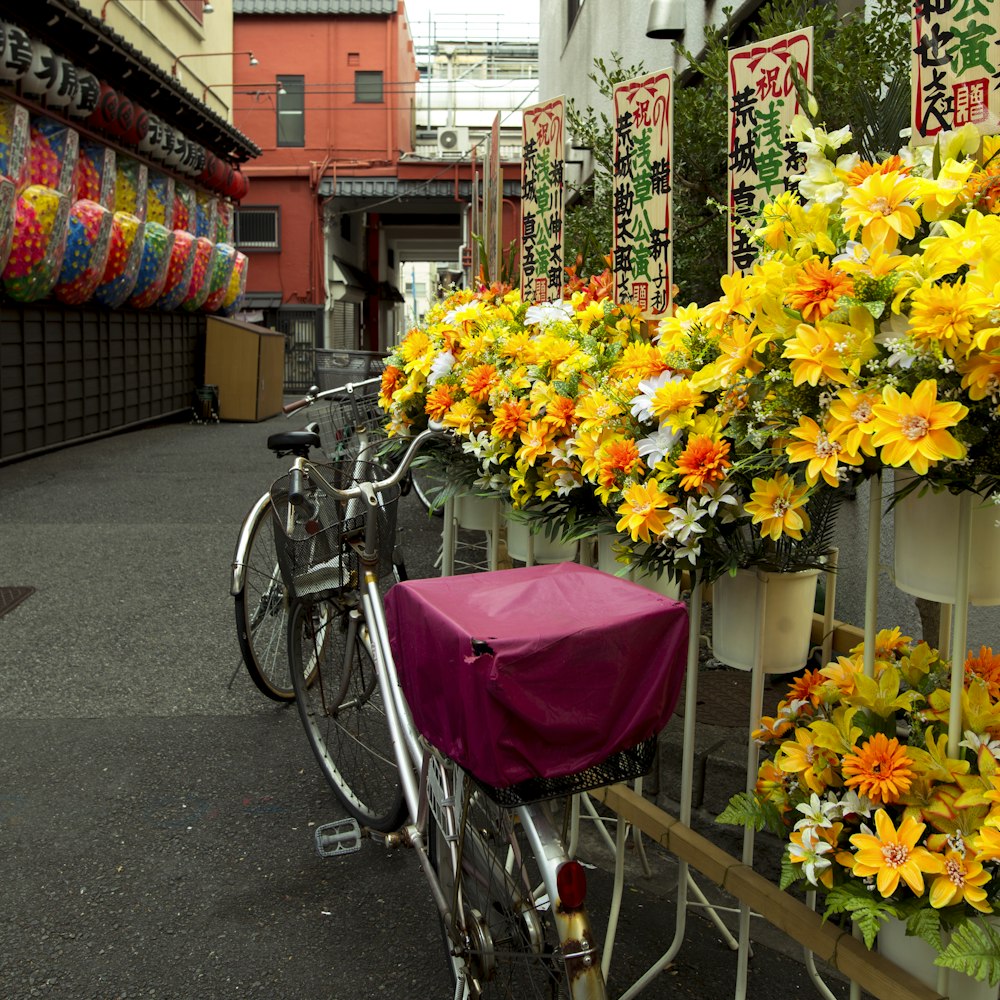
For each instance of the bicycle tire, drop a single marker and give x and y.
(261, 608)
(427, 490)
(510, 946)
(340, 706)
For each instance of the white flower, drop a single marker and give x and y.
(816, 812)
(566, 482)
(685, 521)
(642, 405)
(544, 314)
(973, 741)
(810, 854)
(440, 366)
(656, 446)
(689, 552)
(716, 495)
(853, 804)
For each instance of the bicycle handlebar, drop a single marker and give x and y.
(314, 394)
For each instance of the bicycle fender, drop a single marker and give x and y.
(243, 545)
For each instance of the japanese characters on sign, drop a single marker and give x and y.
(542, 201)
(641, 261)
(955, 67)
(762, 103)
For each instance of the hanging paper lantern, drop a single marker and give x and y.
(220, 271)
(53, 154)
(233, 298)
(43, 72)
(106, 111)
(214, 171)
(158, 242)
(179, 270)
(160, 199)
(88, 244)
(140, 126)
(67, 85)
(239, 186)
(15, 130)
(123, 261)
(96, 174)
(39, 242)
(15, 58)
(88, 93)
(152, 137)
(176, 154)
(198, 288)
(124, 118)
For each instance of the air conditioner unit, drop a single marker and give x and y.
(453, 141)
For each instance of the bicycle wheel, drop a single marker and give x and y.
(428, 490)
(262, 613)
(339, 702)
(509, 944)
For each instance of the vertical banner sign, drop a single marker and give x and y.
(954, 62)
(642, 259)
(494, 203)
(542, 201)
(762, 103)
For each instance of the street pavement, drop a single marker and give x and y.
(157, 813)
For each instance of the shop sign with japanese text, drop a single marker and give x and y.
(641, 259)
(762, 103)
(955, 63)
(542, 201)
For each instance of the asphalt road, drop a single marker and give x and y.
(156, 813)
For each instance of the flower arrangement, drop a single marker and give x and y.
(874, 813)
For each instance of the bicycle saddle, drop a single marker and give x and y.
(296, 442)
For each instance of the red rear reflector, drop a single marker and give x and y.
(571, 881)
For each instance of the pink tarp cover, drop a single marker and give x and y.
(538, 672)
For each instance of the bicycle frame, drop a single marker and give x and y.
(426, 777)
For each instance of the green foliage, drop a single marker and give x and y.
(975, 950)
(863, 907)
(745, 809)
(861, 79)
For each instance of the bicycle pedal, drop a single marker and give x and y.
(343, 836)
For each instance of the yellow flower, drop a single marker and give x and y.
(879, 206)
(981, 375)
(940, 196)
(880, 694)
(960, 881)
(823, 453)
(777, 505)
(849, 420)
(891, 855)
(805, 758)
(536, 441)
(914, 429)
(879, 769)
(462, 416)
(675, 402)
(638, 358)
(815, 354)
(642, 512)
(417, 351)
(964, 243)
(946, 314)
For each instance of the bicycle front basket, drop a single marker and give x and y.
(315, 541)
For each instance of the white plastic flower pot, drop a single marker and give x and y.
(786, 629)
(607, 563)
(916, 956)
(925, 553)
(476, 513)
(536, 549)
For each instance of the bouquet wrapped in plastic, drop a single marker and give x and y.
(88, 244)
(15, 126)
(179, 270)
(160, 199)
(184, 207)
(158, 242)
(205, 216)
(123, 261)
(39, 242)
(130, 188)
(52, 155)
(204, 250)
(237, 286)
(96, 174)
(225, 223)
(220, 271)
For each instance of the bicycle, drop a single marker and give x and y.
(346, 427)
(512, 902)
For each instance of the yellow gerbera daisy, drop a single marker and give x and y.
(946, 314)
(914, 429)
(891, 855)
(777, 505)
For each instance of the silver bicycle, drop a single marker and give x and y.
(511, 901)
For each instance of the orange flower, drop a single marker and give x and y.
(617, 458)
(560, 412)
(880, 770)
(817, 289)
(392, 379)
(510, 418)
(703, 461)
(480, 381)
(865, 169)
(807, 687)
(986, 666)
(439, 401)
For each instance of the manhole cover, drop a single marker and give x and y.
(11, 597)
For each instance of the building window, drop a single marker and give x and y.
(353, 58)
(368, 87)
(291, 111)
(258, 228)
(196, 8)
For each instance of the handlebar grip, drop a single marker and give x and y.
(292, 407)
(296, 488)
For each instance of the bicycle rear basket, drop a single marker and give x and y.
(336, 367)
(624, 765)
(349, 422)
(315, 541)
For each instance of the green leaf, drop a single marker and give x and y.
(745, 809)
(865, 909)
(925, 923)
(975, 950)
(790, 872)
